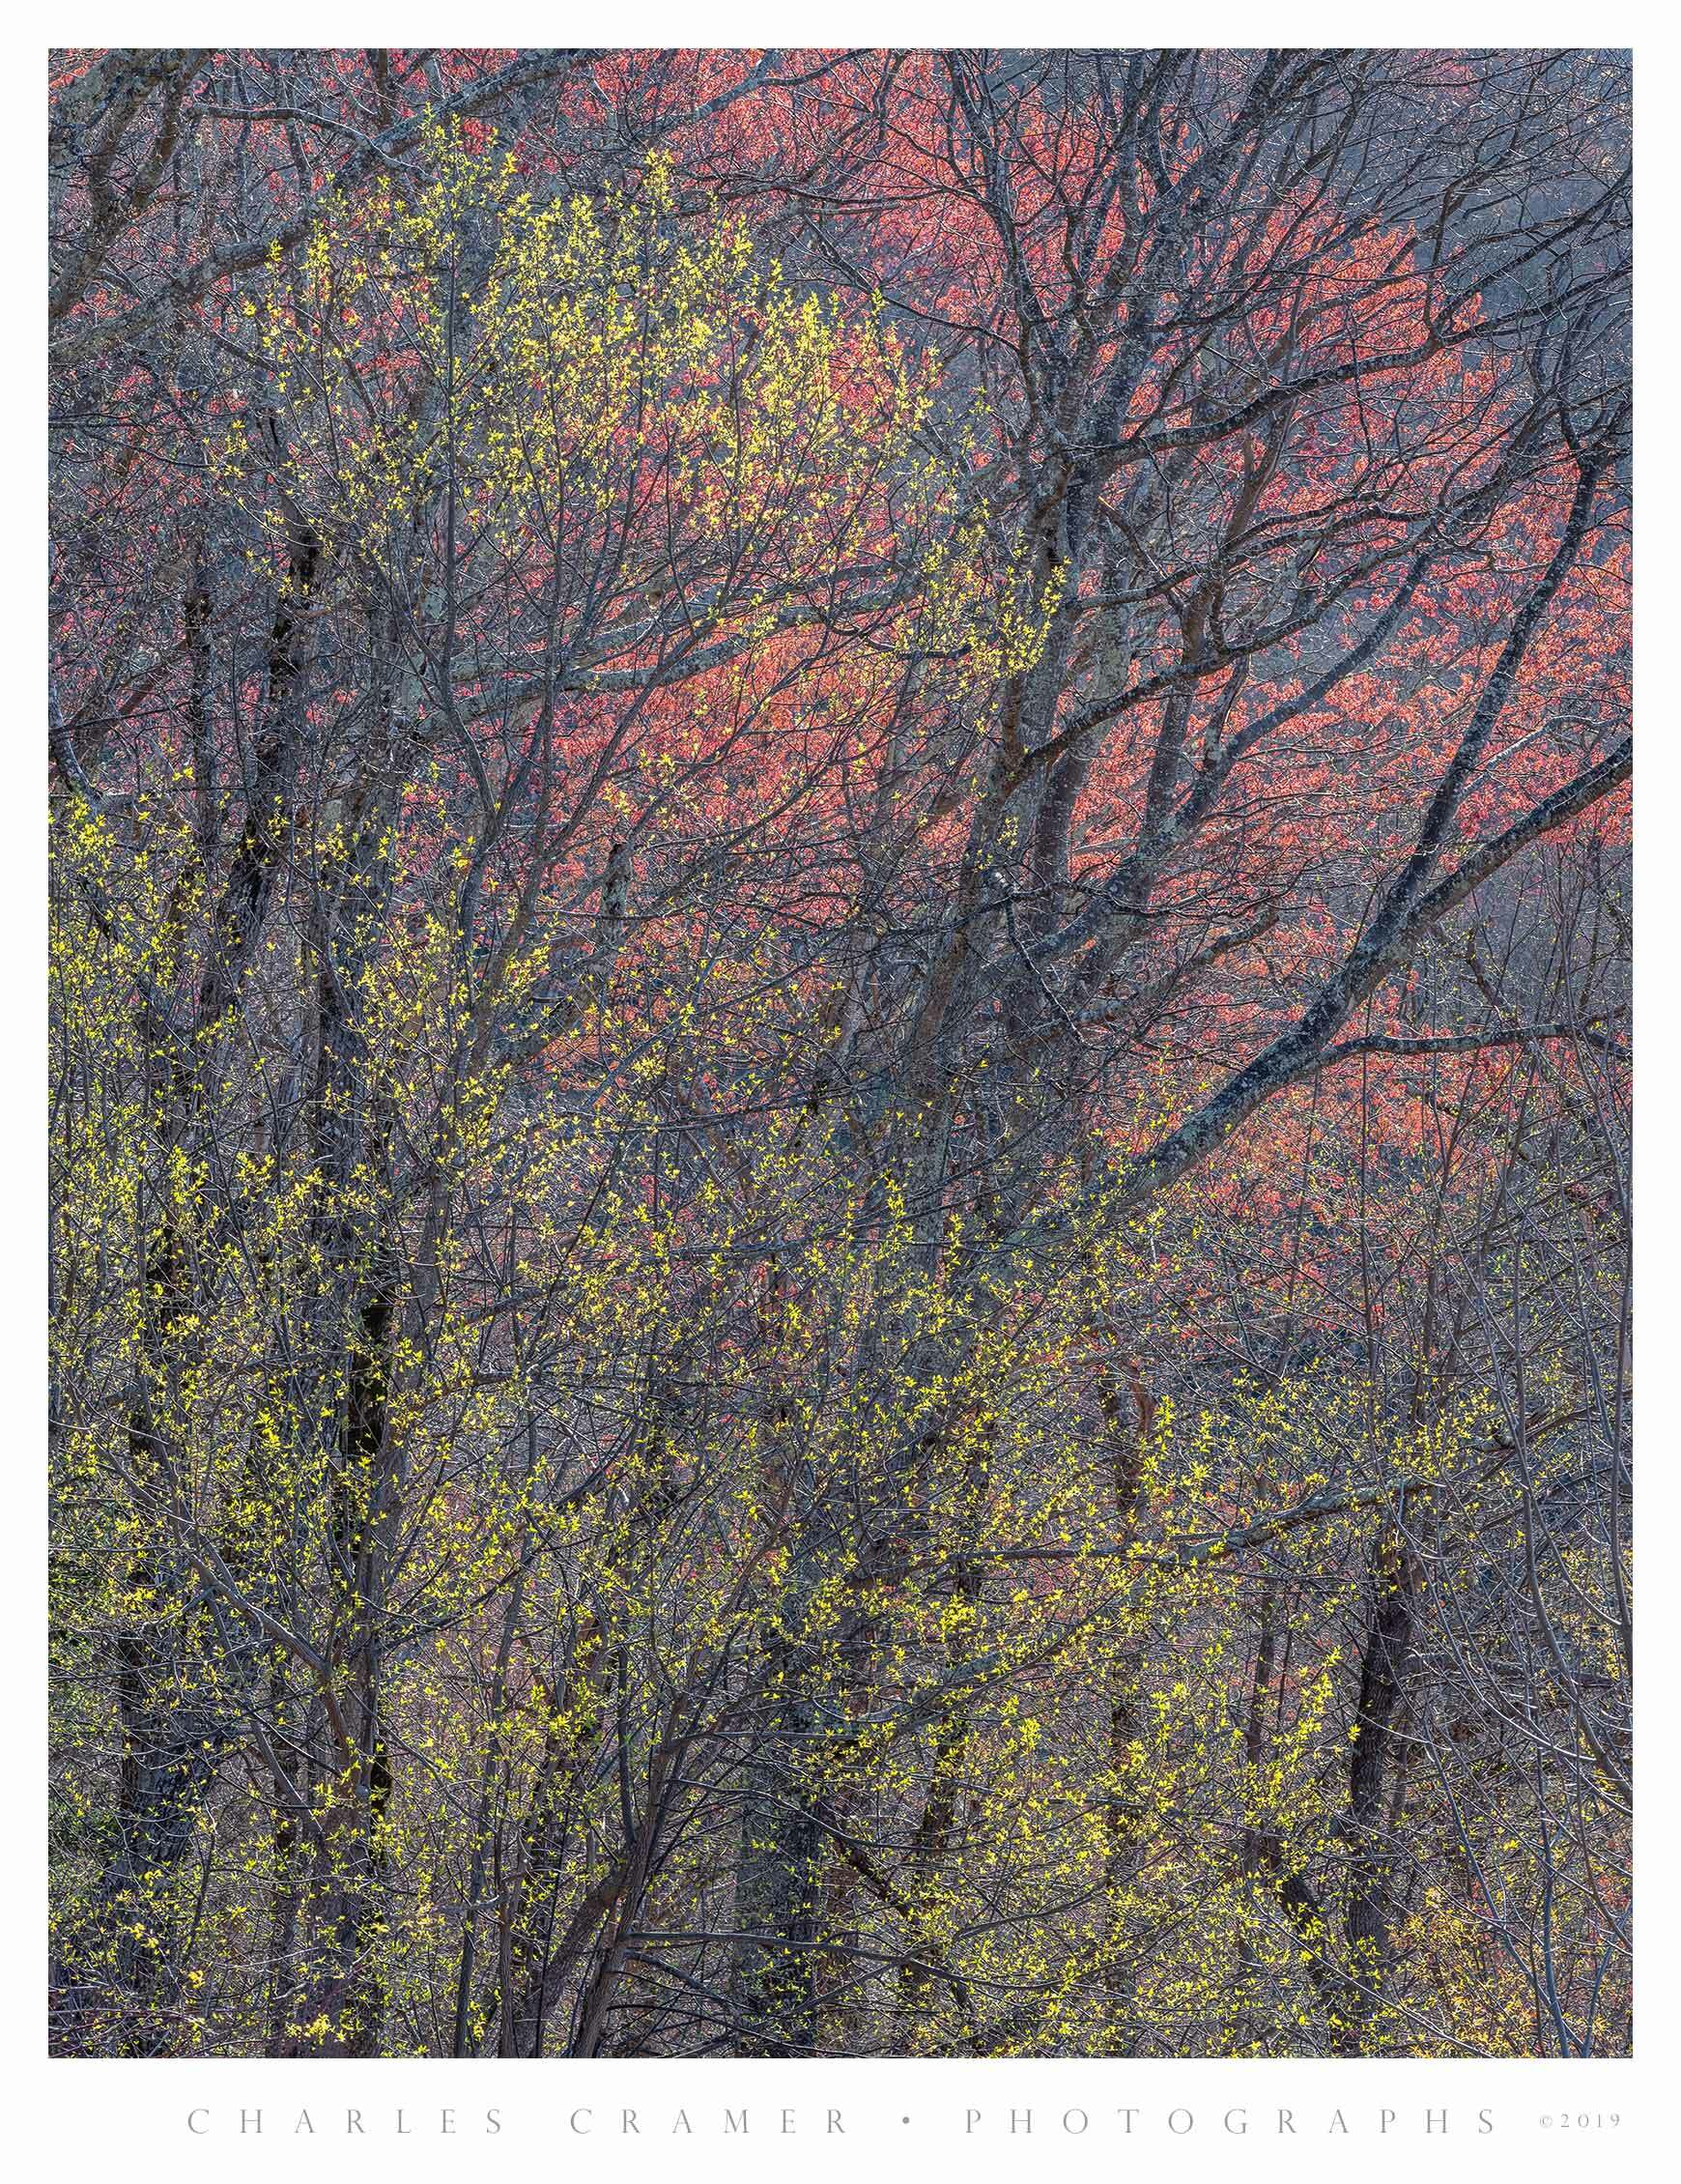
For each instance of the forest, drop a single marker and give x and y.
(838, 1053)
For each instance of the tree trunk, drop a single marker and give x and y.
(1383, 1665)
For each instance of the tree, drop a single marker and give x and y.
(838, 1120)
